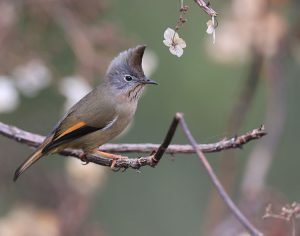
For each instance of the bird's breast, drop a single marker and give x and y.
(124, 115)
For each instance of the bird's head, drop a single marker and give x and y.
(125, 72)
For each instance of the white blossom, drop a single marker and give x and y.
(32, 77)
(174, 42)
(211, 28)
(9, 96)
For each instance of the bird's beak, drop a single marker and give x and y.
(149, 81)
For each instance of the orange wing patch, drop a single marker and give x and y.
(71, 129)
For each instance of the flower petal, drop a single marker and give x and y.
(180, 42)
(177, 51)
(168, 43)
(169, 34)
(210, 29)
(209, 23)
(214, 37)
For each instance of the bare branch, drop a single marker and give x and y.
(206, 7)
(34, 140)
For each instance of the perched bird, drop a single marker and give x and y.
(102, 114)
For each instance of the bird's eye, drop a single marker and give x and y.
(128, 78)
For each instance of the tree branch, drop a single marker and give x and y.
(34, 140)
(206, 7)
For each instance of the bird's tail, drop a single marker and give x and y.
(29, 161)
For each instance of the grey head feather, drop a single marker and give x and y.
(129, 61)
(125, 75)
(135, 58)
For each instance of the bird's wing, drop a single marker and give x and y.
(88, 115)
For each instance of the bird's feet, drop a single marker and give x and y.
(83, 158)
(114, 157)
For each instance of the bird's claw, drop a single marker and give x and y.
(84, 159)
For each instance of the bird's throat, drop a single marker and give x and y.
(135, 93)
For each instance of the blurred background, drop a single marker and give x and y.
(54, 52)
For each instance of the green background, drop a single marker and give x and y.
(170, 199)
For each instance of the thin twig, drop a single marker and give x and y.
(288, 213)
(226, 198)
(164, 146)
(206, 7)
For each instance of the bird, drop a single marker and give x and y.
(102, 114)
